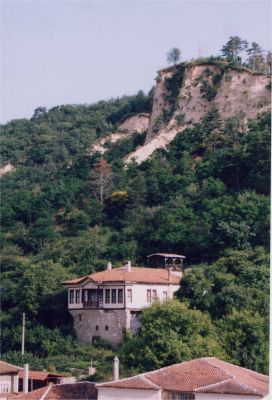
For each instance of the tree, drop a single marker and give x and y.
(244, 337)
(232, 49)
(173, 56)
(256, 59)
(39, 112)
(101, 180)
(170, 333)
(268, 60)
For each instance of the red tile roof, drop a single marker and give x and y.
(203, 375)
(67, 391)
(137, 274)
(6, 368)
(39, 375)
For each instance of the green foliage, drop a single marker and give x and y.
(170, 333)
(238, 280)
(207, 192)
(173, 56)
(244, 337)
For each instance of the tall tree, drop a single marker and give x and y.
(233, 48)
(256, 59)
(173, 56)
(101, 180)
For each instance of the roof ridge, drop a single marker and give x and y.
(233, 376)
(11, 365)
(47, 391)
(234, 365)
(149, 381)
(121, 380)
(212, 384)
(170, 366)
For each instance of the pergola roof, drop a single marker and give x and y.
(166, 255)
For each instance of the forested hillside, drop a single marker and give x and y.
(66, 211)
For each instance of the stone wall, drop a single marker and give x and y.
(106, 324)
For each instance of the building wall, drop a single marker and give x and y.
(110, 323)
(127, 394)
(5, 383)
(208, 396)
(135, 394)
(139, 295)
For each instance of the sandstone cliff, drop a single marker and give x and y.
(185, 93)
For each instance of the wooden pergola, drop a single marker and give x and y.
(173, 261)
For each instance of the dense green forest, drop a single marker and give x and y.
(206, 196)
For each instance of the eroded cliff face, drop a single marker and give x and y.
(183, 95)
(136, 124)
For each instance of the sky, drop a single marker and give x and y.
(74, 52)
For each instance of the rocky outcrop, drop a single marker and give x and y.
(183, 95)
(6, 169)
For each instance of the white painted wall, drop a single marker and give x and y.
(139, 295)
(209, 396)
(134, 394)
(127, 394)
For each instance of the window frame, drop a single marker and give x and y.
(107, 296)
(72, 296)
(120, 296)
(129, 295)
(113, 296)
(77, 297)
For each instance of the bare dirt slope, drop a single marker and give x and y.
(203, 88)
(135, 124)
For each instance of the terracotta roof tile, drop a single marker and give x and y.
(203, 375)
(40, 375)
(6, 368)
(67, 391)
(137, 274)
(35, 395)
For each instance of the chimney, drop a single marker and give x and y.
(115, 368)
(128, 266)
(26, 374)
(109, 266)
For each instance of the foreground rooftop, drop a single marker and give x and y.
(203, 375)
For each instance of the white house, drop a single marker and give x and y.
(202, 379)
(9, 378)
(106, 303)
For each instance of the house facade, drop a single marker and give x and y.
(106, 303)
(202, 379)
(9, 378)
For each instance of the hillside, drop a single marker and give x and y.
(200, 187)
(185, 93)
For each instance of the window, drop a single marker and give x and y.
(113, 296)
(72, 297)
(120, 296)
(79, 317)
(106, 328)
(85, 295)
(129, 295)
(148, 294)
(107, 300)
(154, 295)
(165, 295)
(181, 396)
(77, 296)
(100, 295)
(96, 328)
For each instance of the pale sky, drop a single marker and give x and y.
(74, 52)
